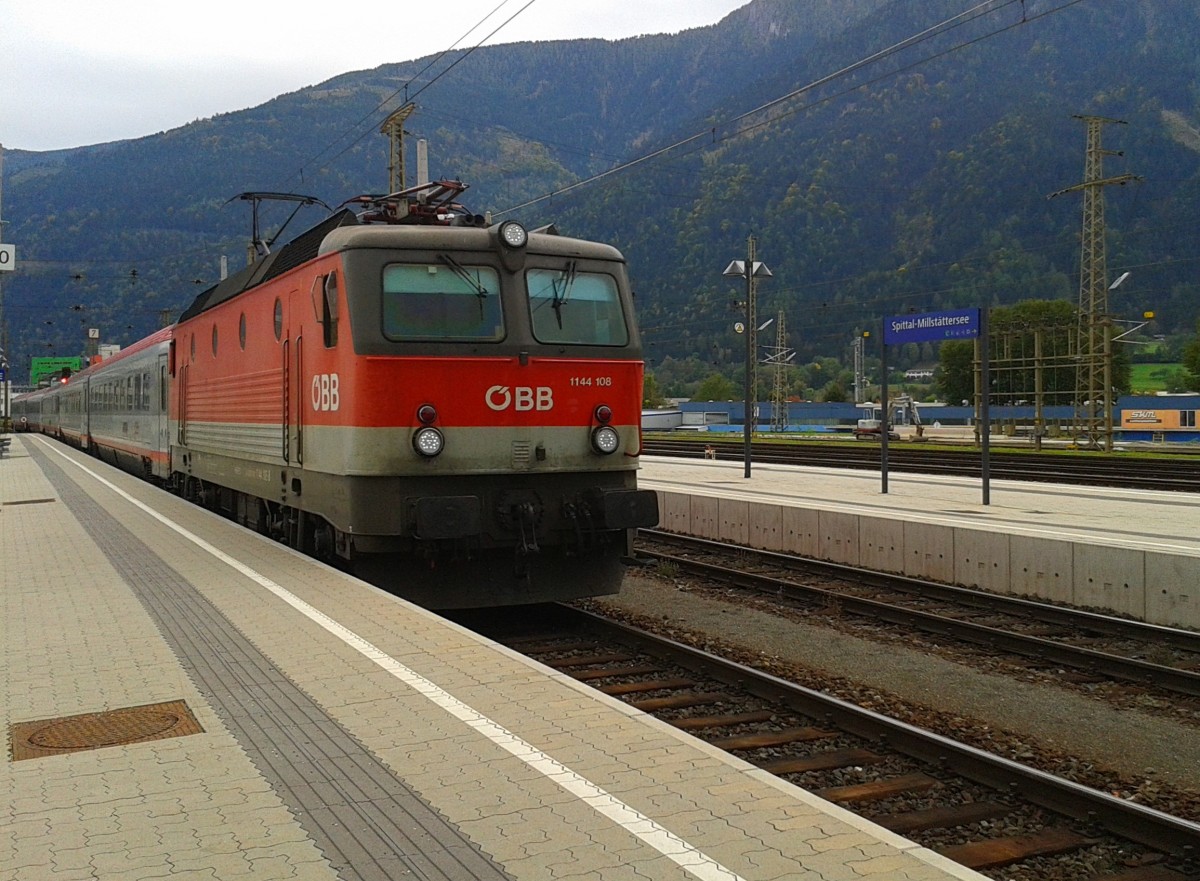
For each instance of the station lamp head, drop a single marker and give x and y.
(737, 269)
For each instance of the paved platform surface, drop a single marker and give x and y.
(346, 734)
(1162, 522)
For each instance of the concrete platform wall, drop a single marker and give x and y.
(1154, 587)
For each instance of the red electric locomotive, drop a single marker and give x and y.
(451, 410)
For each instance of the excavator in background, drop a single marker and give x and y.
(904, 412)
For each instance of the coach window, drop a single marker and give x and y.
(278, 318)
(214, 340)
(441, 301)
(193, 347)
(242, 331)
(567, 306)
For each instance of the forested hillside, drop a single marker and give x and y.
(918, 181)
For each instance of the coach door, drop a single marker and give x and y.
(160, 406)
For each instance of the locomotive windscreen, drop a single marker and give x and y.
(583, 308)
(441, 302)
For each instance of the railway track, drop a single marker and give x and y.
(1179, 473)
(989, 813)
(1096, 646)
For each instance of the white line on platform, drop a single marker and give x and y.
(691, 859)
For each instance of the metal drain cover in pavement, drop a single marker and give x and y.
(68, 734)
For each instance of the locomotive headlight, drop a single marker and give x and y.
(513, 234)
(605, 440)
(428, 442)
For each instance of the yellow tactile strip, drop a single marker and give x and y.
(68, 734)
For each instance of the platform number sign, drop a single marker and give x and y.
(8, 258)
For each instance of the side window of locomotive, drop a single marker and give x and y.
(441, 301)
(584, 308)
(325, 304)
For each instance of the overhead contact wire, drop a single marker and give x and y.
(988, 7)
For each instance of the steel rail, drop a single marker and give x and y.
(1147, 826)
(1188, 640)
(1128, 669)
(1173, 475)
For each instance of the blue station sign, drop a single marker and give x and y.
(931, 327)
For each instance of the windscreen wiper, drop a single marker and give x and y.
(567, 279)
(462, 272)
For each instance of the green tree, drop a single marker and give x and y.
(1191, 358)
(954, 378)
(716, 388)
(651, 396)
(1017, 334)
(1179, 380)
(835, 392)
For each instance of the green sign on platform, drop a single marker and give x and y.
(49, 368)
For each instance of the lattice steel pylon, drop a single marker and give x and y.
(1094, 353)
(779, 358)
(393, 127)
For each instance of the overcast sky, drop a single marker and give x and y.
(75, 72)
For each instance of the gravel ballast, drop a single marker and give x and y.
(1145, 751)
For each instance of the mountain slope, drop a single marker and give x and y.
(919, 181)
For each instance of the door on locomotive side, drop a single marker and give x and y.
(320, 376)
(290, 334)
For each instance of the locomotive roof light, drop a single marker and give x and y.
(513, 234)
(605, 440)
(510, 240)
(428, 442)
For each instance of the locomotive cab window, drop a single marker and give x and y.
(567, 306)
(325, 305)
(441, 301)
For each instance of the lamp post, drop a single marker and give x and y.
(1107, 370)
(750, 270)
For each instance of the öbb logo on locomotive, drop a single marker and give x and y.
(325, 395)
(521, 398)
